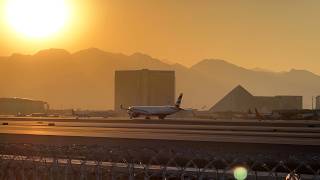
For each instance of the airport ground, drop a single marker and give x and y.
(114, 139)
(210, 133)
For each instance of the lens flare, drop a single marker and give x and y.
(36, 18)
(240, 173)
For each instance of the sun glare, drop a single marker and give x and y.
(37, 18)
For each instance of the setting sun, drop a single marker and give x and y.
(36, 18)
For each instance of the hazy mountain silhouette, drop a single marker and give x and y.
(261, 69)
(85, 79)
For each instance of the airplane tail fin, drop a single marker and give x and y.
(121, 107)
(258, 115)
(73, 112)
(179, 100)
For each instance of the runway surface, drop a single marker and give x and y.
(240, 131)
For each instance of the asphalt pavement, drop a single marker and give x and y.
(240, 131)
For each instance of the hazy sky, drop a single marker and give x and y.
(273, 34)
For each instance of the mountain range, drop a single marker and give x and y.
(85, 79)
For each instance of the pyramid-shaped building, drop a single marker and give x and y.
(240, 100)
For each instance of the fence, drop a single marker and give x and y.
(39, 162)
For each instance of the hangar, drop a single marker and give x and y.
(17, 106)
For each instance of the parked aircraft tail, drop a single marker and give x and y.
(179, 100)
(258, 115)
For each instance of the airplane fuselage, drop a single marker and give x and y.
(160, 111)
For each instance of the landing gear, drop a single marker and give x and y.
(131, 116)
(162, 117)
(147, 117)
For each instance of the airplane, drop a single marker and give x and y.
(160, 111)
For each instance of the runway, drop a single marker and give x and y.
(239, 131)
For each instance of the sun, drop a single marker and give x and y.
(37, 18)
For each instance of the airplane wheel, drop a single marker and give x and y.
(147, 117)
(162, 117)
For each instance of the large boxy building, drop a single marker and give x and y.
(240, 100)
(144, 87)
(16, 106)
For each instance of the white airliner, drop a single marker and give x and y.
(147, 111)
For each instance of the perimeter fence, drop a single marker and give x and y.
(79, 162)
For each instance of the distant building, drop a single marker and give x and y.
(144, 87)
(318, 102)
(16, 106)
(240, 100)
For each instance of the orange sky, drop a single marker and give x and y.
(273, 34)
